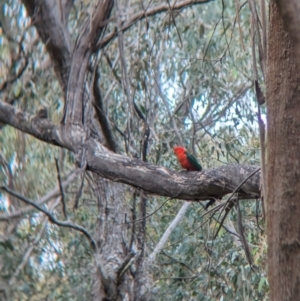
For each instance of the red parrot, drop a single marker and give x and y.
(187, 160)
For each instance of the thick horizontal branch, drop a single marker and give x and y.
(40, 126)
(159, 180)
(148, 177)
(36, 126)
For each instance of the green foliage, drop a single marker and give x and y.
(193, 85)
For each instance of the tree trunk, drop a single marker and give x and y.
(283, 165)
(112, 243)
(120, 260)
(290, 12)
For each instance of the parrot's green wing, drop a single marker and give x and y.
(193, 161)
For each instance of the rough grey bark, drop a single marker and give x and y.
(283, 164)
(290, 12)
(112, 280)
(48, 20)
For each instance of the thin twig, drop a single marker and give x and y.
(165, 101)
(146, 135)
(231, 36)
(228, 206)
(229, 199)
(168, 232)
(241, 232)
(62, 194)
(50, 195)
(7, 170)
(214, 30)
(255, 23)
(51, 217)
(190, 233)
(144, 14)
(19, 58)
(133, 217)
(126, 78)
(237, 2)
(31, 247)
(259, 102)
(225, 227)
(79, 192)
(141, 219)
(224, 28)
(178, 261)
(203, 223)
(126, 264)
(98, 104)
(262, 138)
(173, 21)
(256, 216)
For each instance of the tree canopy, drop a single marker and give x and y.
(93, 97)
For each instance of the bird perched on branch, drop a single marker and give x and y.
(187, 160)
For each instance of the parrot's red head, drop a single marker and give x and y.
(186, 160)
(179, 150)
